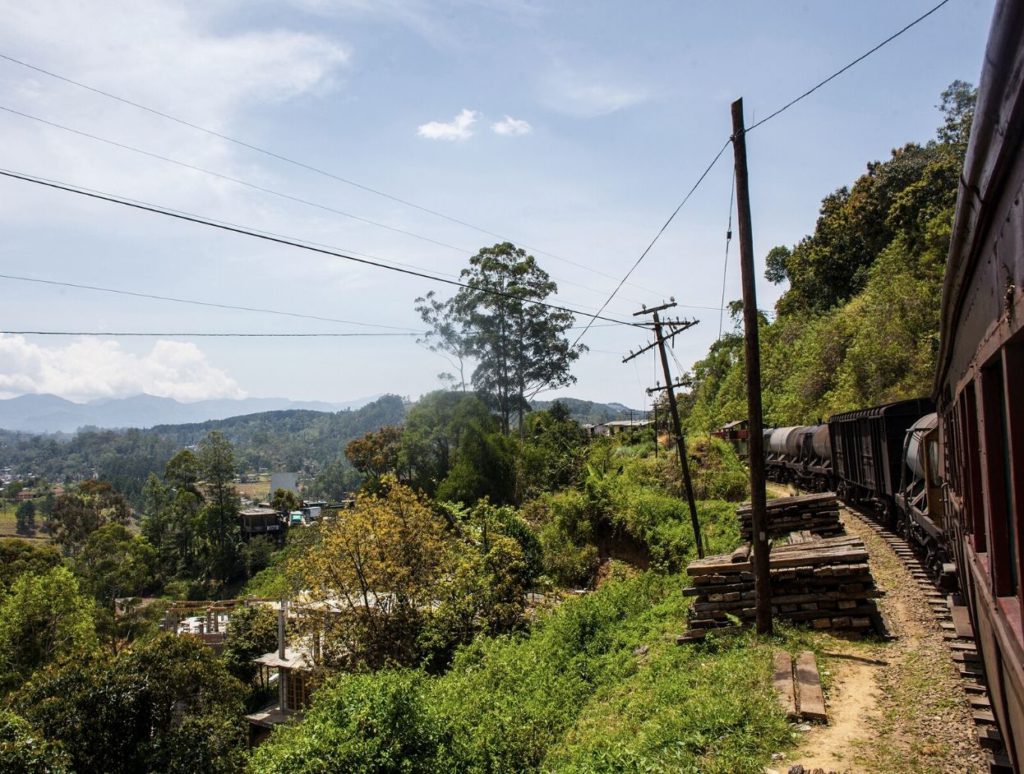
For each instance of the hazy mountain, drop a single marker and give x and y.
(588, 412)
(50, 414)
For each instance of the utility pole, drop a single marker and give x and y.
(677, 327)
(655, 424)
(752, 353)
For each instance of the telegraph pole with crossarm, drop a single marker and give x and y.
(675, 328)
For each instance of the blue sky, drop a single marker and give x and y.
(574, 128)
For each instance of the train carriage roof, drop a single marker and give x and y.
(914, 406)
(993, 161)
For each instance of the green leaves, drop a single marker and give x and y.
(518, 345)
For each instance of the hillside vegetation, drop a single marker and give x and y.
(858, 324)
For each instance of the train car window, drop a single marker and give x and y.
(970, 449)
(996, 481)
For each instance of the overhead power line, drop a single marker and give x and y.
(194, 302)
(763, 121)
(232, 179)
(846, 67)
(302, 165)
(195, 334)
(261, 188)
(657, 236)
(241, 230)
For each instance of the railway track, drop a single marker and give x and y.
(954, 620)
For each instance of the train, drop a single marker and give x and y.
(947, 470)
(883, 460)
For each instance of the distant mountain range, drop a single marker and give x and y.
(51, 414)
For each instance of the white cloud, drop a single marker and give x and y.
(589, 96)
(511, 126)
(99, 368)
(179, 58)
(459, 128)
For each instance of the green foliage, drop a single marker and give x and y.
(686, 712)
(24, 751)
(716, 471)
(376, 453)
(858, 324)
(486, 467)
(22, 557)
(252, 631)
(433, 435)
(76, 515)
(115, 563)
(43, 620)
(553, 452)
(361, 723)
(25, 518)
(518, 346)
(284, 500)
(577, 694)
(164, 705)
(220, 531)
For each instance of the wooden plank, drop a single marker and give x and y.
(962, 621)
(810, 698)
(822, 498)
(783, 681)
(989, 738)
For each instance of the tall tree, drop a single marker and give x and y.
(76, 515)
(221, 530)
(447, 336)
(433, 432)
(519, 345)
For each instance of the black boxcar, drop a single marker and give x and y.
(867, 452)
(979, 386)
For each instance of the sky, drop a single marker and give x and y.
(573, 129)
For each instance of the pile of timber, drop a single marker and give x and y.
(814, 513)
(824, 583)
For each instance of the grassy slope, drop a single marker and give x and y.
(600, 685)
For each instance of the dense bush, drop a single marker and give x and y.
(578, 694)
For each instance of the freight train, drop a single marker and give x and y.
(948, 471)
(884, 460)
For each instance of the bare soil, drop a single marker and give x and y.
(893, 706)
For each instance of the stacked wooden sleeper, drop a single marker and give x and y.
(824, 583)
(814, 513)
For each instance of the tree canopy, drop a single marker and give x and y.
(858, 323)
(519, 345)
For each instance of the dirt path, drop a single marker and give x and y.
(898, 706)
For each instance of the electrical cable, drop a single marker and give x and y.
(260, 188)
(303, 165)
(842, 70)
(764, 120)
(657, 236)
(194, 302)
(288, 242)
(728, 239)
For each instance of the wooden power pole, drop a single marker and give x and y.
(752, 353)
(677, 327)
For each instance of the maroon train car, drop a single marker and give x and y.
(979, 385)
